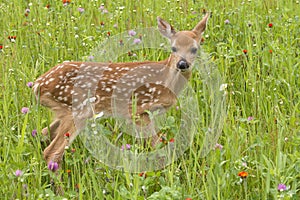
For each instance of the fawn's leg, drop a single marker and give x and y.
(52, 129)
(55, 150)
(144, 121)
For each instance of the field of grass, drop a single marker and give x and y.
(255, 46)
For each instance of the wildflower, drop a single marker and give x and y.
(126, 146)
(48, 6)
(143, 174)
(18, 173)
(73, 150)
(223, 86)
(270, 51)
(101, 7)
(66, 2)
(81, 10)
(91, 58)
(250, 118)
(27, 11)
(244, 164)
(136, 41)
(188, 198)
(121, 42)
(1, 47)
(105, 11)
(218, 146)
(12, 38)
(172, 140)
(108, 33)
(30, 84)
(34, 132)
(115, 26)
(131, 33)
(102, 24)
(67, 135)
(68, 171)
(243, 174)
(245, 51)
(270, 25)
(24, 110)
(227, 21)
(53, 166)
(281, 187)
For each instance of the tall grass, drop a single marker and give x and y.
(255, 46)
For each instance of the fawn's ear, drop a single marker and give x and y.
(165, 28)
(200, 27)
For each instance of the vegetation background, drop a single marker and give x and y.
(255, 46)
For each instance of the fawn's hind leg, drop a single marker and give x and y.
(55, 150)
(52, 129)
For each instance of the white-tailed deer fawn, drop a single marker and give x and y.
(66, 89)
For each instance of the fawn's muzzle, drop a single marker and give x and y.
(183, 64)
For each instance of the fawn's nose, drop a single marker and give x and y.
(183, 64)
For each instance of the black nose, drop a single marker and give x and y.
(182, 64)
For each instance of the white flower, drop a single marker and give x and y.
(223, 86)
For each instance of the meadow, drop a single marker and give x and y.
(254, 46)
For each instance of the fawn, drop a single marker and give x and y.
(68, 84)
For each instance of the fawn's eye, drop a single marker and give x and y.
(194, 50)
(173, 49)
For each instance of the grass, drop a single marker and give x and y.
(261, 84)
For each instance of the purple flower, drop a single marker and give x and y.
(91, 58)
(24, 110)
(131, 33)
(101, 7)
(227, 21)
(105, 11)
(18, 173)
(30, 84)
(115, 26)
(27, 10)
(137, 41)
(126, 146)
(281, 187)
(218, 146)
(81, 10)
(250, 118)
(53, 166)
(33, 133)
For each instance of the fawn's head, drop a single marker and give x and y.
(184, 44)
